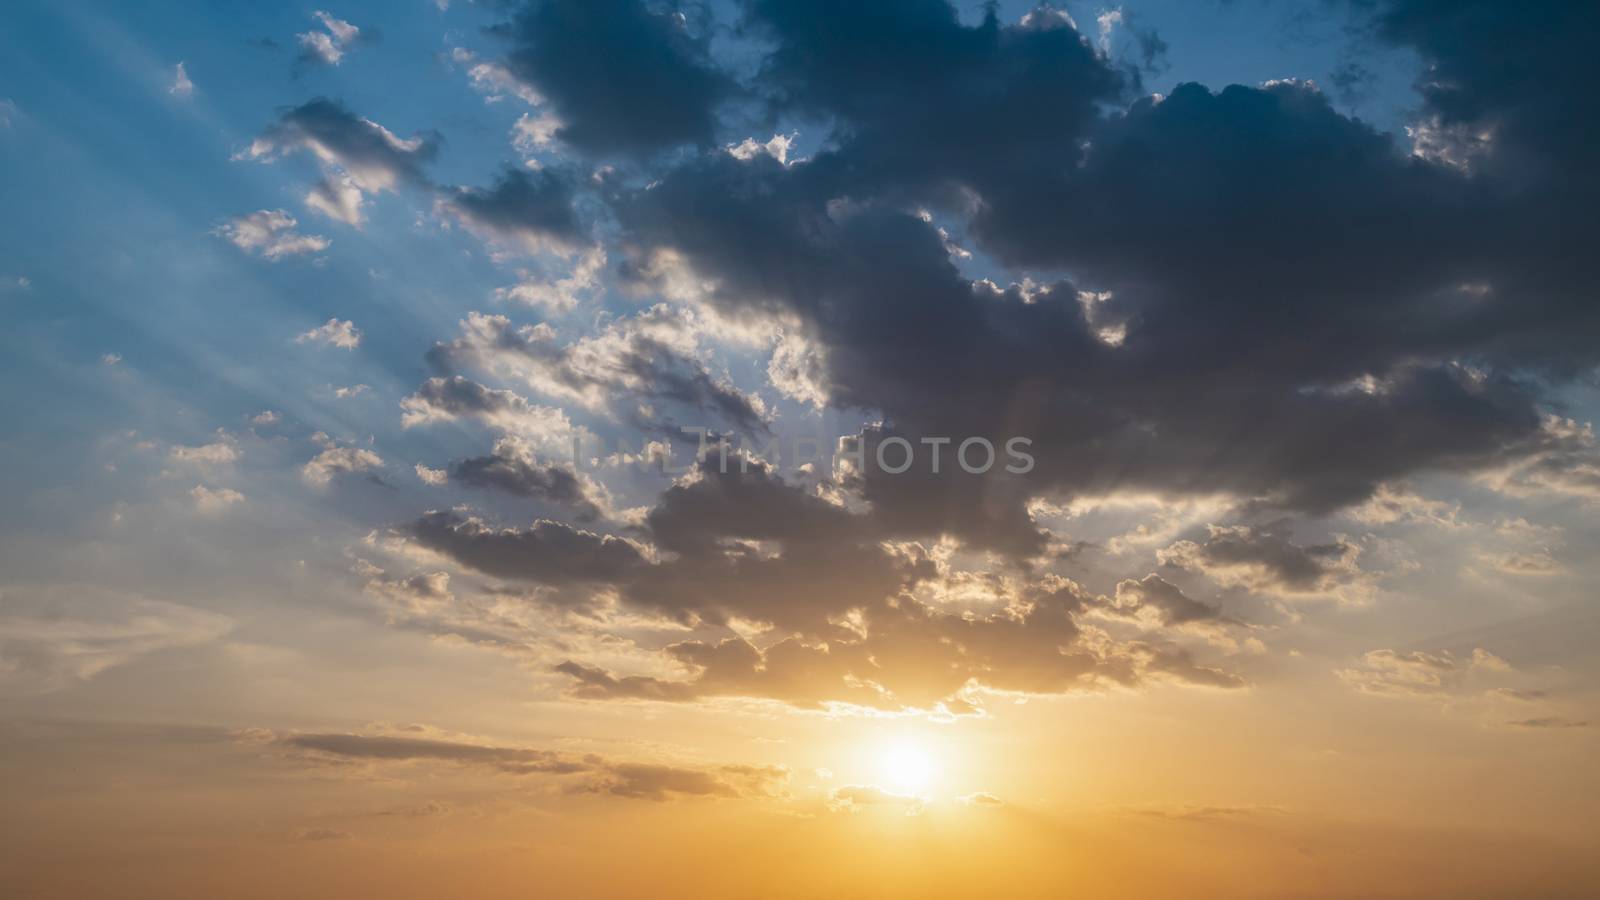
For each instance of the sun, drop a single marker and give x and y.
(906, 766)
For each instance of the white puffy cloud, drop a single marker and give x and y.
(777, 147)
(181, 86)
(338, 197)
(270, 233)
(559, 295)
(334, 333)
(219, 452)
(328, 46)
(335, 460)
(211, 501)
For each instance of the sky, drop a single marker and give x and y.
(778, 449)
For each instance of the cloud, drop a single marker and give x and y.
(1533, 562)
(585, 773)
(909, 88)
(493, 79)
(635, 369)
(1550, 722)
(1470, 91)
(1391, 503)
(56, 635)
(422, 596)
(220, 452)
(339, 198)
(447, 399)
(1208, 348)
(777, 147)
(334, 333)
(270, 233)
(547, 552)
(335, 460)
(181, 86)
(532, 211)
(514, 470)
(433, 477)
(1266, 561)
(1160, 600)
(1561, 459)
(1417, 673)
(981, 799)
(745, 545)
(853, 797)
(646, 781)
(330, 45)
(559, 295)
(1128, 201)
(623, 78)
(213, 501)
(358, 156)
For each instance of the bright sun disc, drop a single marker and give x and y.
(906, 767)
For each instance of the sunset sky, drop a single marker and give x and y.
(799, 449)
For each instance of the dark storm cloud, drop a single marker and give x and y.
(936, 495)
(1268, 300)
(533, 210)
(915, 96)
(1256, 406)
(1281, 297)
(1522, 73)
(625, 77)
(546, 552)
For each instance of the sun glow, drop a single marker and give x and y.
(906, 766)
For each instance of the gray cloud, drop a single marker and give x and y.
(587, 772)
(748, 545)
(514, 470)
(1264, 559)
(546, 552)
(1170, 605)
(373, 157)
